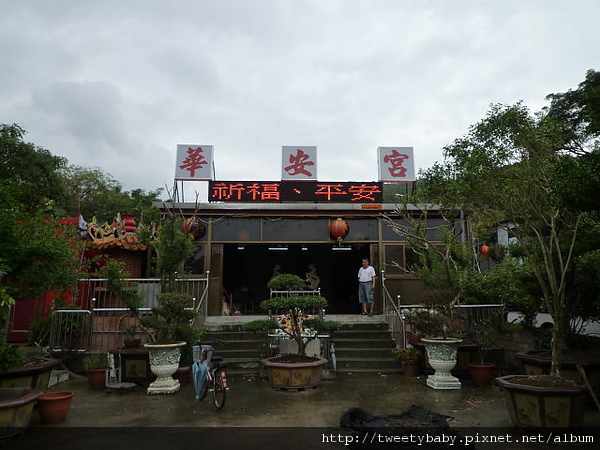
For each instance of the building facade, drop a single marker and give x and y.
(242, 245)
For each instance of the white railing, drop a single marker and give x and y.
(100, 318)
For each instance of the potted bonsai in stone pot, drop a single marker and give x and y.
(294, 371)
(440, 327)
(168, 328)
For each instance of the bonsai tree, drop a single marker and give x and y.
(444, 263)
(294, 321)
(171, 320)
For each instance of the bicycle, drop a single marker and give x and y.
(215, 378)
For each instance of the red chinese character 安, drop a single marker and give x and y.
(364, 192)
(298, 165)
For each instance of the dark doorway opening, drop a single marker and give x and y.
(247, 268)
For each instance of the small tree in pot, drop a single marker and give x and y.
(298, 370)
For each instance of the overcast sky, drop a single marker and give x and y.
(117, 84)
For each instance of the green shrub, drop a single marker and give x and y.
(286, 282)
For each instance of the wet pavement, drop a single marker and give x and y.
(256, 416)
(252, 403)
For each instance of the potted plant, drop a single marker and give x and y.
(482, 372)
(409, 358)
(440, 327)
(168, 328)
(96, 365)
(297, 370)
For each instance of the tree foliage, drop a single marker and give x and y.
(506, 168)
(30, 179)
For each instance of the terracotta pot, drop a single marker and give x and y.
(184, 375)
(482, 373)
(97, 378)
(54, 406)
(410, 368)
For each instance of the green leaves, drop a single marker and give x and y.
(301, 302)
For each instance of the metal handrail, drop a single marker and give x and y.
(201, 308)
(392, 313)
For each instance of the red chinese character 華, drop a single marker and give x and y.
(299, 161)
(363, 192)
(396, 160)
(194, 161)
(329, 190)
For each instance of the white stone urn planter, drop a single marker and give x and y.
(164, 362)
(441, 355)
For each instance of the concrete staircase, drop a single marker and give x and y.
(365, 346)
(362, 344)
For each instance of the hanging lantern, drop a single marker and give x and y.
(339, 230)
(484, 249)
(192, 226)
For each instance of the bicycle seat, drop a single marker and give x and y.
(216, 359)
(220, 364)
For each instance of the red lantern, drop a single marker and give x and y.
(339, 230)
(192, 226)
(484, 249)
(129, 223)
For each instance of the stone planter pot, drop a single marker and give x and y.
(16, 406)
(164, 362)
(54, 406)
(538, 362)
(542, 406)
(441, 355)
(294, 376)
(482, 373)
(35, 375)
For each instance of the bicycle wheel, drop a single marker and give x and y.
(204, 389)
(220, 390)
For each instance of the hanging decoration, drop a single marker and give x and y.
(339, 229)
(484, 249)
(193, 226)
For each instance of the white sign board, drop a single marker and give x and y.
(299, 163)
(396, 164)
(194, 162)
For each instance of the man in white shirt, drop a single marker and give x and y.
(366, 287)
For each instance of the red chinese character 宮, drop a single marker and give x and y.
(299, 161)
(194, 161)
(396, 160)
